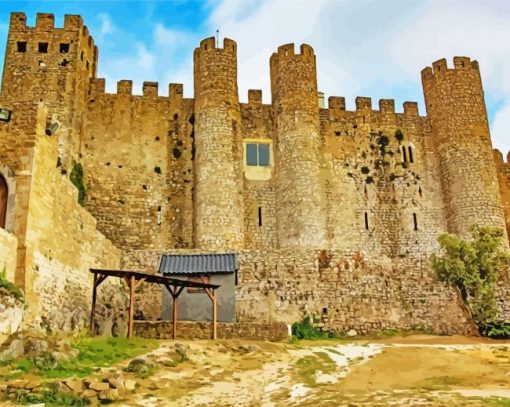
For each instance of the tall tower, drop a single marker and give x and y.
(218, 195)
(300, 195)
(456, 109)
(54, 65)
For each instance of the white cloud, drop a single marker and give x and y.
(376, 48)
(106, 24)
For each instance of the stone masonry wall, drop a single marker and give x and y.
(300, 198)
(8, 254)
(62, 243)
(504, 184)
(455, 104)
(54, 65)
(274, 332)
(138, 161)
(346, 291)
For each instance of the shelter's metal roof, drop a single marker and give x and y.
(208, 263)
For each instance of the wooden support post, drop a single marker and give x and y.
(174, 320)
(214, 316)
(131, 307)
(93, 310)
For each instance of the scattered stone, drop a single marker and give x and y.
(180, 346)
(153, 386)
(249, 348)
(109, 394)
(89, 393)
(135, 365)
(18, 384)
(116, 381)
(99, 386)
(14, 351)
(75, 385)
(129, 385)
(352, 333)
(36, 346)
(32, 385)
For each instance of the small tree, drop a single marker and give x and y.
(474, 267)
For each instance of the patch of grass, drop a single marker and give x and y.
(93, 354)
(308, 367)
(50, 396)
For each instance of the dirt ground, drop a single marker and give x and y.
(412, 371)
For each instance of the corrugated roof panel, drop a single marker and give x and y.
(198, 263)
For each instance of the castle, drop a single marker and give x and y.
(333, 213)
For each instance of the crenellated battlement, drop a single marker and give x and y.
(254, 96)
(363, 103)
(287, 51)
(125, 87)
(440, 67)
(499, 157)
(209, 44)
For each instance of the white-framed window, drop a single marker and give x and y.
(258, 154)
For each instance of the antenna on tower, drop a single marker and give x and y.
(217, 38)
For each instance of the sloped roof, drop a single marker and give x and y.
(208, 263)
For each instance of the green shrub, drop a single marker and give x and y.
(306, 330)
(496, 329)
(474, 267)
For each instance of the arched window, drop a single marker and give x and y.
(4, 192)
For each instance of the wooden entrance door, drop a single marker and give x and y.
(4, 192)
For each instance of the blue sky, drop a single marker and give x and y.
(363, 48)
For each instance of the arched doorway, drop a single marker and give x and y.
(4, 193)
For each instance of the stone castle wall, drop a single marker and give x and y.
(138, 164)
(456, 108)
(62, 243)
(57, 63)
(8, 248)
(504, 184)
(360, 195)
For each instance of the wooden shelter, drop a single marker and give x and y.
(135, 279)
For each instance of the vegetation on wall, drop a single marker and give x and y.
(76, 178)
(474, 266)
(6, 285)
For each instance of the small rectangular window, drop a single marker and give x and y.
(22, 46)
(43, 47)
(415, 221)
(87, 65)
(366, 221)
(264, 155)
(260, 215)
(251, 154)
(64, 48)
(258, 154)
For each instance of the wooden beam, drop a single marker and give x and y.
(93, 310)
(131, 306)
(139, 282)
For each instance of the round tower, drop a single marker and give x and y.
(218, 193)
(458, 117)
(300, 195)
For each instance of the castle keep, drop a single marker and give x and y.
(333, 213)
